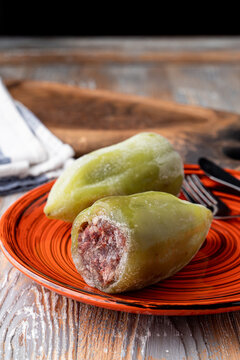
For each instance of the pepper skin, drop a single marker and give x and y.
(144, 162)
(162, 232)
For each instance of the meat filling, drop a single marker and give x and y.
(101, 246)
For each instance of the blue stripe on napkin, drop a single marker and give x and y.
(10, 185)
(4, 159)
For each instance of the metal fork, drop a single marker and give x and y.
(197, 193)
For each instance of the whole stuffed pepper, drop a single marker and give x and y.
(124, 243)
(144, 162)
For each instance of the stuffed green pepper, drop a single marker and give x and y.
(124, 243)
(144, 162)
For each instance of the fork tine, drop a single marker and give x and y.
(196, 192)
(197, 189)
(193, 192)
(187, 195)
(213, 204)
(203, 189)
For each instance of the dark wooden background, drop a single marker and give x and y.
(35, 323)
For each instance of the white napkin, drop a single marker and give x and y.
(29, 153)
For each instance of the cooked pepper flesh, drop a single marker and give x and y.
(144, 162)
(148, 237)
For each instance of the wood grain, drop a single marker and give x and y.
(38, 324)
(90, 119)
(95, 51)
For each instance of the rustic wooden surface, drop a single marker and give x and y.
(35, 323)
(90, 119)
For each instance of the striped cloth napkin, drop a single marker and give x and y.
(29, 153)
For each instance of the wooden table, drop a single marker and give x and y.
(36, 323)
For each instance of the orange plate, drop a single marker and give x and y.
(41, 249)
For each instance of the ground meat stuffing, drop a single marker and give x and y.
(101, 246)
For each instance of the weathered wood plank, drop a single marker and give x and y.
(125, 44)
(33, 57)
(35, 323)
(89, 119)
(215, 86)
(97, 51)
